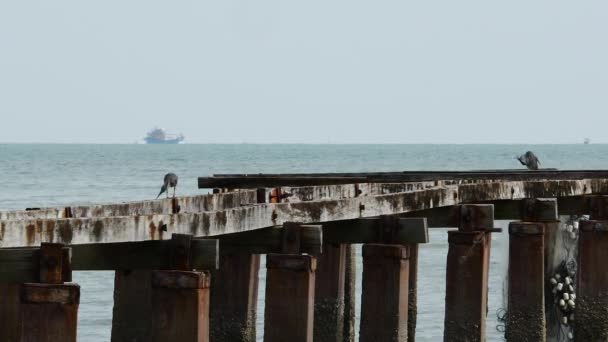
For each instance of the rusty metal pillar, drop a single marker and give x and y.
(466, 287)
(180, 297)
(49, 310)
(466, 300)
(350, 282)
(180, 306)
(526, 302)
(132, 291)
(9, 312)
(329, 294)
(384, 297)
(412, 301)
(544, 210)
(591, 322)
(234, 295)
(133, 294)
(290, 296)
(597, 206)
(408, 232)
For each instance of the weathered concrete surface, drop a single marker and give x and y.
(327, 192)
(44, 213)
(245, 218)
(214, 202)
(187, 204)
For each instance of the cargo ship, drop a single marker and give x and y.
(159, 136)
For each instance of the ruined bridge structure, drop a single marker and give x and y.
(186, 269)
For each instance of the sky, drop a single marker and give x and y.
(336, 71)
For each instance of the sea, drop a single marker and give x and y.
(48, 175)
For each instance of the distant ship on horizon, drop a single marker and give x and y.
(587, 141)
(159, 136)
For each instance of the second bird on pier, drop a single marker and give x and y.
(170, 181)
(529, 160)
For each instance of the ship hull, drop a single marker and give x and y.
(162, 142)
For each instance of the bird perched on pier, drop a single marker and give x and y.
(170, 181)
(529, 160)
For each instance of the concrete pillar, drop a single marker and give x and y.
(329, 294)
(466, 286)
(234, 295)
(526, 302)
(180, 306)
(591, 323)
(49, 313)
(290, 296)
(384, 300)
(132, 291)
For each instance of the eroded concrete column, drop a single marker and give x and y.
(290, 297)
(591, 323)
(234, 295)
(180, 306)
(466, 286)
(526, 302)
(329, 294)
(384, 297)
(49, 313)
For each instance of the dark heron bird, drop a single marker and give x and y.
(170, 181)
(529, 160)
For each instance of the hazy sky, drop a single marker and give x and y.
(304, 71)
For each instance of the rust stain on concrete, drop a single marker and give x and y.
(30, 233)
(152, 230)
(50, 231)
(97, 230)
(65, 232)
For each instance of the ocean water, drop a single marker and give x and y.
(40, 175)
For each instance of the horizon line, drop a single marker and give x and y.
(303, 143)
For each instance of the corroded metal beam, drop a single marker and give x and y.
(246, 218)
(243, 181)
(23, 265)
